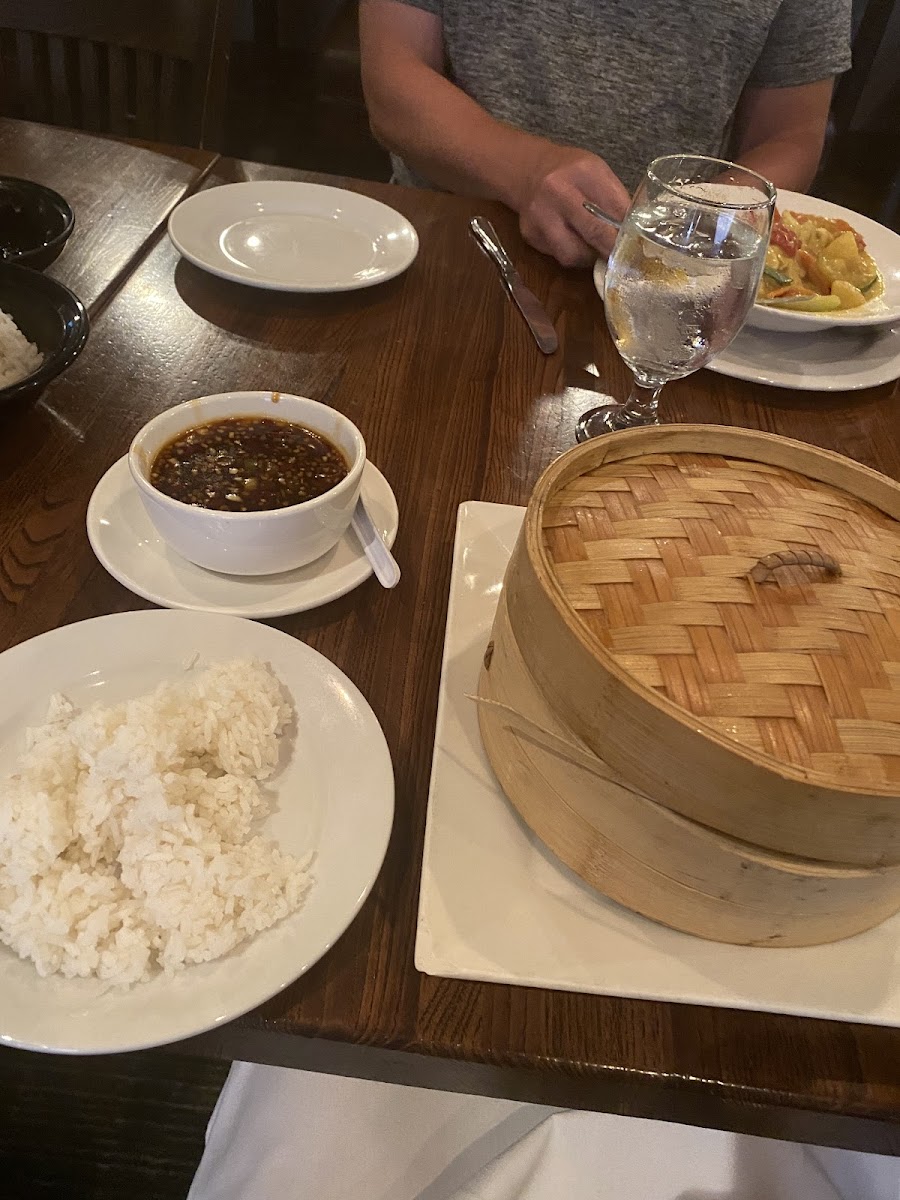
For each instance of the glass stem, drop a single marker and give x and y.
(642, 405)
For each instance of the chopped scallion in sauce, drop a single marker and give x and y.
(247, 464)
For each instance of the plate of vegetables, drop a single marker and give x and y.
(826, 266)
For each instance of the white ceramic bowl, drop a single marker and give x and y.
(251, 543)
(881, 243)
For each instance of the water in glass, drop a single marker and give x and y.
(682, 277)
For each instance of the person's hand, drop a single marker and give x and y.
(550, 203)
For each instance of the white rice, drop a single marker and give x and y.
(19, 358)
(126, 841)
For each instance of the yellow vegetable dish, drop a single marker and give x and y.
(817, 264)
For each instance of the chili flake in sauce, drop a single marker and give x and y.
(247, 464)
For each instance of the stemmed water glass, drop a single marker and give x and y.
(681, 277)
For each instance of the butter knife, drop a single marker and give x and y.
(525, 299)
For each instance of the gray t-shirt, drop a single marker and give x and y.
(633, 80)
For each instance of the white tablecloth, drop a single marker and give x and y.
(278, 1134)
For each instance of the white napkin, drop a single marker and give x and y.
(278, 1134)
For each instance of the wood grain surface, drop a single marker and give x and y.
(104, 1128)
(120, 195)
(455, 403)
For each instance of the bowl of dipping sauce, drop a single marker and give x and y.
(249, 483)
(35, 222)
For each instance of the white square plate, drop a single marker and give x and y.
(496, 905)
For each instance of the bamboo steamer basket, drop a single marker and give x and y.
(646, 856)
(650, 600)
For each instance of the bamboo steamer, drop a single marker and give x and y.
(649, 598)
(646, 856)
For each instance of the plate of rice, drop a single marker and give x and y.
(193, 809)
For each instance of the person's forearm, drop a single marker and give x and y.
(448, 138)
(781, 131)
(788, 163)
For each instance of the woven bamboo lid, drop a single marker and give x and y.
(678, 562)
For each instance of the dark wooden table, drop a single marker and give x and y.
(121, 195)
(455, 403)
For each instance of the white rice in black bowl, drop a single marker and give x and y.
(19, 358)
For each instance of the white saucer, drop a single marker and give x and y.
(128, 546)
(841, 360)
(293, 237)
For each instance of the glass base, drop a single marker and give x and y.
(610, 418)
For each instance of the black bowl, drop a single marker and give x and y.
(50, 316)
(35, 223)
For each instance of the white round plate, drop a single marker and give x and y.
(843, 360)
(334, 797)
(128, 546)
(293, 237)
(882, 244)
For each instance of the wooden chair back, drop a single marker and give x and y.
(155, 70)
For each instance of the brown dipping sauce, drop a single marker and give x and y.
(247, 464)
(19, 231)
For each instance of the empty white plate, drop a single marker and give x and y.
(128, 546)
(293, 237)
(334, 797)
